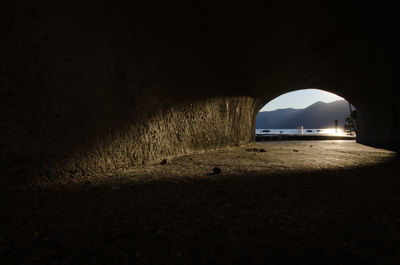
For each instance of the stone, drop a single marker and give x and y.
(257, 150)
(216, 170)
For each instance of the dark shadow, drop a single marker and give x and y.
(347, 216)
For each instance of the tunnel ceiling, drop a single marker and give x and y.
(279, 45)
(94, 87)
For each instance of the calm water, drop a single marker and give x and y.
(295, 131)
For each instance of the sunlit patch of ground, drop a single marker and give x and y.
(279, 157)
(311, 202)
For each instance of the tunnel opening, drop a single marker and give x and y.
(307, 114)
(95, 95)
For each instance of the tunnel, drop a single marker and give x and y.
(94, 87)
(128, 133)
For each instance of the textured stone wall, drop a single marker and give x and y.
(170, 130)
(379, 124)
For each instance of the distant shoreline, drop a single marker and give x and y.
(296, 137)
(304, 131)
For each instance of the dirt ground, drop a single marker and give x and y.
(297, 202)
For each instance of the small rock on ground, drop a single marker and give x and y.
(216, 170)
(258, 150)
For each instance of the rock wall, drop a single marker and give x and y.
(173, 129)
(378, 124)
(88, 88)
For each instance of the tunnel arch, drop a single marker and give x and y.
(303, 99)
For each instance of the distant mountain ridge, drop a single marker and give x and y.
(319, 115)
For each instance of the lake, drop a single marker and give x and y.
(329, 131)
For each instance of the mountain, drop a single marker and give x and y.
(319, 115)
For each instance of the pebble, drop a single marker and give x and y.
(258, 150)
(216, 170)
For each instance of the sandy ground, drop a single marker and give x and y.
(305, 202)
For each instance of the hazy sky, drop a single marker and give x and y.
(300, 99)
